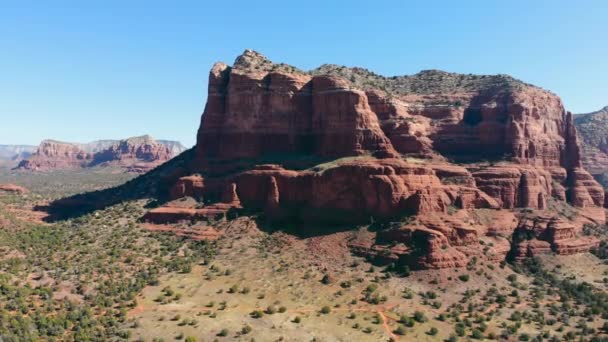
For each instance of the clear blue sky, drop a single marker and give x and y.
(86, 70)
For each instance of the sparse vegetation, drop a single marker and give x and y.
(116, 281)
(93, 267)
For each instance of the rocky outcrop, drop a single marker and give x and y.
(190, 186)
(13, 189)
(583, 189)
(138, 154)
(197, 233)
(354, 191)
(543, 234)
(446, 241)
(432, 249)
(430, 242)
(176, 212)
(516, 186)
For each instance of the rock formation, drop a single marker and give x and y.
(593, 131)
(175, 147)
(137, 154)
(345, 145)
(542, 234)
(252, 113)
(134, 152)
(13, 189)
(52, 154)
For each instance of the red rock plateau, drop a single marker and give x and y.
(429, 152)
(138, 154)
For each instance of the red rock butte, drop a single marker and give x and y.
(339, 144)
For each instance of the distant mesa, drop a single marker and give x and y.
(593, 130)
(136, 154)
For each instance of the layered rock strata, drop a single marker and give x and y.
(544, 234)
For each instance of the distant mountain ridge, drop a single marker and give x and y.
(175, 146)
(11, 155)
(135, 154)
(100, 145)
(593, 130)
(10, 151)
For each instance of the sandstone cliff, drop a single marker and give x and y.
(52, 154)
(345, 145)
(257, 109)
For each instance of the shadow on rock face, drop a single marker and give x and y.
(299, 228)
(155, 184)
(306, 222)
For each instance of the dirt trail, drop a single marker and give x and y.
(385, 325)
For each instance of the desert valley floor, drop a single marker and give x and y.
(105, 276)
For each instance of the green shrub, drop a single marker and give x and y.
(477, 334)
(420, 317)
(246, 329)
(256, 314)
(400, 330)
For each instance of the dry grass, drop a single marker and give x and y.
(255, 272)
